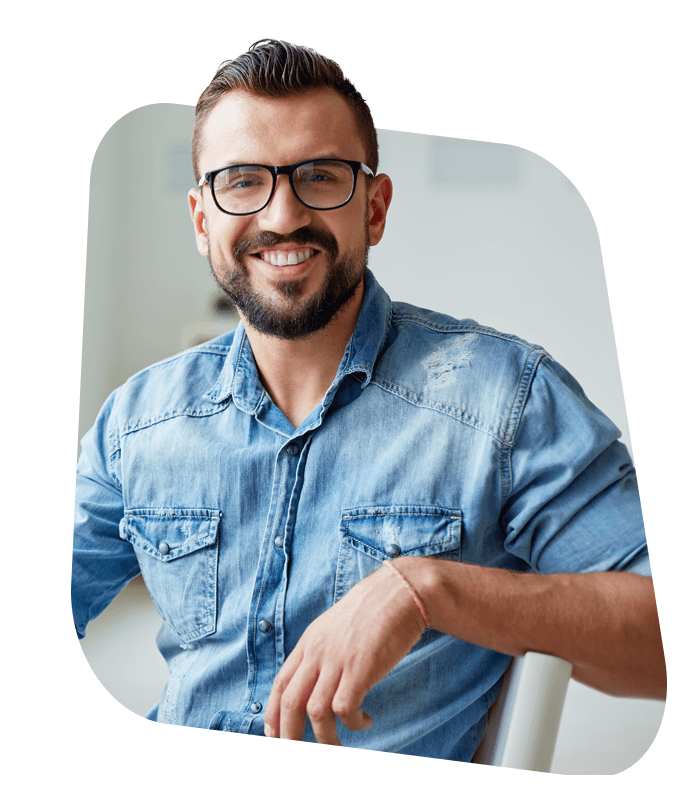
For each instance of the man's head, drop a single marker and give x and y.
(253, 253)
(271, 68)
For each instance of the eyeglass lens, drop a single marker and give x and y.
(320, 184)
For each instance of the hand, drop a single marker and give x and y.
(341, 656)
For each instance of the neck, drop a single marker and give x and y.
(297, 373)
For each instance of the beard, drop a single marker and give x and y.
(296, 317)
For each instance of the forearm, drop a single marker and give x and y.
(605, 624)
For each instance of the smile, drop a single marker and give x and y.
(285, 258)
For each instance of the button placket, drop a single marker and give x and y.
(268, 637)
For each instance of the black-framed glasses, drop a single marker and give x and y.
(322, 184)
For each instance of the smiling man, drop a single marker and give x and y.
(315, 270)
(351, 512)
(291, 248)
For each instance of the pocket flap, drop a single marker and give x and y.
(391, 531)
(168, 533)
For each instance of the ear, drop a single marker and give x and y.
(196, 210)
(380, 195)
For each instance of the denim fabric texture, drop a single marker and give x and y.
(438, 438)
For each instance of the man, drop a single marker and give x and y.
(351, 513)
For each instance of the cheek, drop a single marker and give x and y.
(225, 234)
(349, 227)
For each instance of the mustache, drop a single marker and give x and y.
(300, 237)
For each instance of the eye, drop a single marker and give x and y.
(313, 176)
(323, 173)
(241, 179)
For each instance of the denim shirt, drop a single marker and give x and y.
(437, 437)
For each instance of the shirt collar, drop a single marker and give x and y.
(369, 337)
(239, 376)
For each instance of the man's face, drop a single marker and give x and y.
(249, 255)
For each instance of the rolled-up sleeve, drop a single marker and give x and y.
(102, 562)
(574, 504)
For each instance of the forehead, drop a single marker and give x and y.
(245, 128)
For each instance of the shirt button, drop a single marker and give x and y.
(255, 707)
(392, 550)
(293, 449)
(278, 541)
(164, 548)
(265, 626)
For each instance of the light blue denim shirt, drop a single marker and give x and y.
(438, 437)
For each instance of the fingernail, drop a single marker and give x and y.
(268, 731)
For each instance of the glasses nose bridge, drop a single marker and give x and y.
(289, 211)
(288, 171)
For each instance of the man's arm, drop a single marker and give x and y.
(103, 563)
(605, 624)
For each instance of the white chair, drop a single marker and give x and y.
(523, 722)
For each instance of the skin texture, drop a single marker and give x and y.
(605, 624)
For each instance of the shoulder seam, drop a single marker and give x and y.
(203, 349)
(463, 327)
(515, 418)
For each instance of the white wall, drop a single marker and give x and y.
(490, 232)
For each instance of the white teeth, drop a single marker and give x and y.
(283, 258)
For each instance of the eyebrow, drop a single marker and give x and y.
(236, 163)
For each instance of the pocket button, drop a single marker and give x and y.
(164, 548)
(392, 550)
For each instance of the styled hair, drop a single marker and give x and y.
(273, 68)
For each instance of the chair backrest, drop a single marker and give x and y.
(523, 722)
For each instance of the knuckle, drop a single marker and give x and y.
(289, 702)
(343, 707)
(317, 711)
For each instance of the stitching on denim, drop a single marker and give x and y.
(175, 513)
(112, 459)
(433, 405)
(209, 540)
(347, 517)
(212, 350)
(413, 550)
(175, 412)
(514, 420)
(344, 554)
(399, 514)
(466, 328)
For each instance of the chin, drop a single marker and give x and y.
(289, 311)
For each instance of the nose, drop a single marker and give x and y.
(284, 213)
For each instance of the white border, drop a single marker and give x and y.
(75, 314)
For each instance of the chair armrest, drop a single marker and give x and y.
(523, 722)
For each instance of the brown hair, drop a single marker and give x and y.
(272, 68)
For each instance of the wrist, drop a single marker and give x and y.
(423, 575)
(412, 592)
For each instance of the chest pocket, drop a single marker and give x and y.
(177, 551)
(370, 535)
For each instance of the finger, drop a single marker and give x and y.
(293, 703)
(293, 717)
(280, 684)
(356, 720)
(319, 709)
(347, 706)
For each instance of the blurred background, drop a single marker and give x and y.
(487, 231)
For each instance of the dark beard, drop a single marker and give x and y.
(300, 318)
